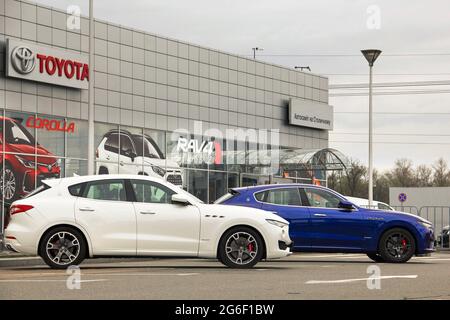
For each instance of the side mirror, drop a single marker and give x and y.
(346, 205)
(180, 199)
(130, 154)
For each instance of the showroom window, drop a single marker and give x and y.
(35, 147)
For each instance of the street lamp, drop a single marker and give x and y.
(303, 68)
(371, 55)
(254, 51)
(91, 167)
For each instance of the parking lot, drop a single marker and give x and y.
(300, 276)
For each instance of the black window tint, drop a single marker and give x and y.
(125, 144)
(76, 189)
(151, 192)
(260, 196)
(112, 143)
(286, 196)
(113, 190)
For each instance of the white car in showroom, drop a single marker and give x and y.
(120, 151)
(70, 219)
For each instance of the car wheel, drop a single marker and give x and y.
(240, 247)
(9, 186)
(375, 257)
(63, 247)
(103, 170)
(397, 245)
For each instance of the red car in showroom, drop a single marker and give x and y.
(24, 162)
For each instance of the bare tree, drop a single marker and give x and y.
(441, 175)
(423, 176)
(355, 178)
(402, 175)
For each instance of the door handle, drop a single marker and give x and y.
(121, 163)
(87, 209)
(148, 212)
(320, 215)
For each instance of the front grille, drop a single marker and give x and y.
(283, 246)
(175, 179)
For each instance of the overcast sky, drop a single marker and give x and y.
(334, 32)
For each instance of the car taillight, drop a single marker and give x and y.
(19, 208)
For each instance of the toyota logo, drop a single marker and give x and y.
(23, 59)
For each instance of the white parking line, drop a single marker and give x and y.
(432, 259)
(51, 280)
(414, 276)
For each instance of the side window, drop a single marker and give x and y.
(321, 198)
(75, 190)
(112, 143)
(287, 196)
(260, 195)
(112, 190)
(126, 146)
(151, 192)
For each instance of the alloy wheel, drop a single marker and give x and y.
(63, 248)
(398, 245)
(241, 248)
(8, 184)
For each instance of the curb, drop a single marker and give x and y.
(37, 261)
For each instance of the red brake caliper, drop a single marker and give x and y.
(404, 244)
(250, 247)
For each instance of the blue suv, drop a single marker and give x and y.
(322, 220)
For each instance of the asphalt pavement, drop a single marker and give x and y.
(300, 276)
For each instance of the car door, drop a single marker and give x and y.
(110, 155)
(109, 219)
(287, 203)
(333, 228)
(164, 228)
(127, 156)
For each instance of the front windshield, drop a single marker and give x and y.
(15, 133)
(149, 148)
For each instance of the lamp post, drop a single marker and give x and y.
(371, 55)
(91, 91)
(303, 68)
(254, 51)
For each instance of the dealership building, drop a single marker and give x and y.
(204, 119)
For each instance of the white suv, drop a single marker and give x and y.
(135, 154)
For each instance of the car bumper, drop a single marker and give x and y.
(279, 244)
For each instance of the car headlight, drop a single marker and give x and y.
(426, 224)
(26, 163)
(159, 170)
(277, 223)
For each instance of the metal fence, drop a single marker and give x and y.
(439, 216)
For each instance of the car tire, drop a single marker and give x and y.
(62, 247)
(245, 248)
(397, 245)
(103, 170)
(375, 257)
(9, 189)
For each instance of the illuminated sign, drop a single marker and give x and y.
(50, 125)
(46, 64)
(194, 146)
(312, 114)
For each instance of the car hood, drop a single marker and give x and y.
(47, 156)
(239, 211)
